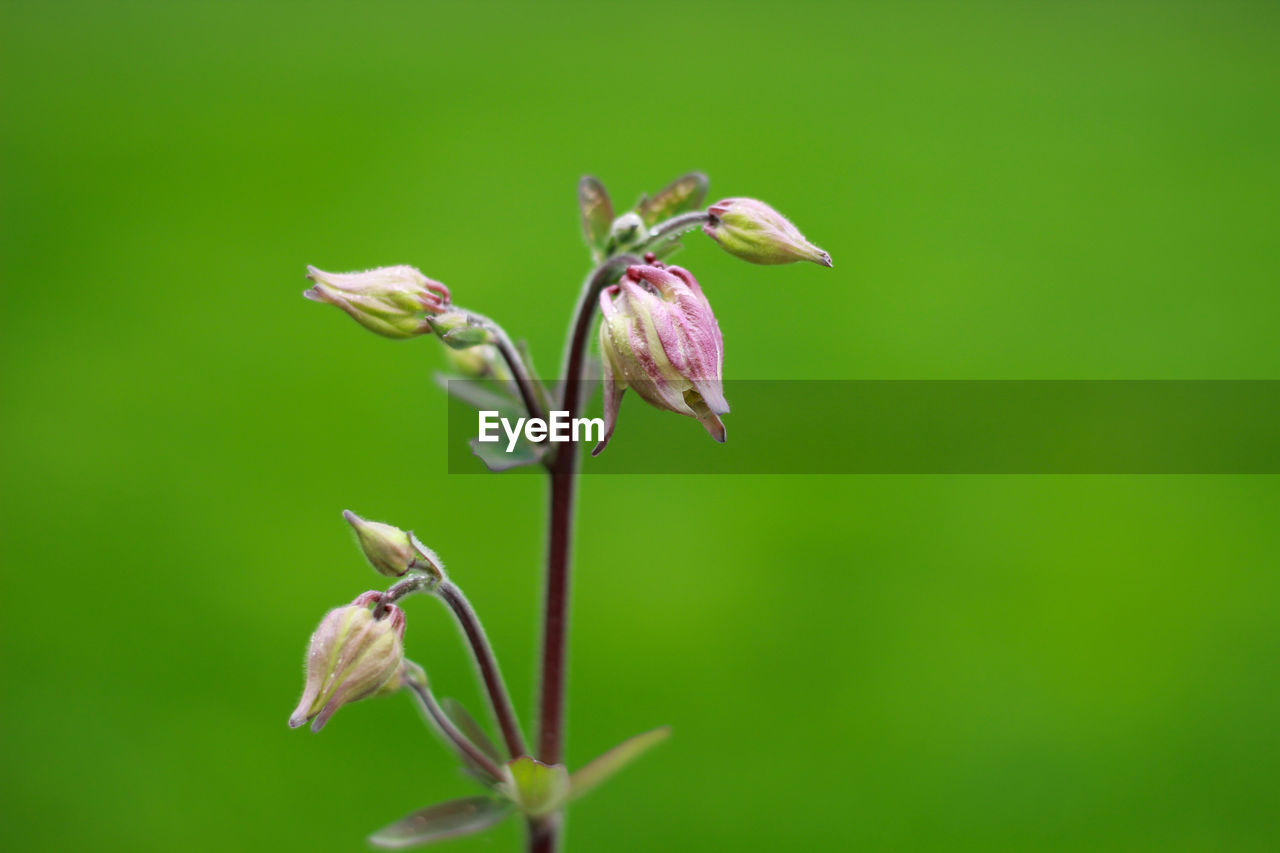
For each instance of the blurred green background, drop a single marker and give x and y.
(916, 663)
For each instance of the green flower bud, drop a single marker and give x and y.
(392, 551)
(755, 232)
(628, 230)
(391, 301)
(459, 330)
(352, 655)
(481, 362)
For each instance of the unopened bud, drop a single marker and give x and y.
(352, 655)
(755, 232)
(482, 362)
(627, 230)
(660, 337)
(460, 330)
(391, 551)
(392, 301)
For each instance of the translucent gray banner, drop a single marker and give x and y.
(915, 427)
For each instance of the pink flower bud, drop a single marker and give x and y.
(659, 337)
(392, 301)
(755, 232)
(352, 655)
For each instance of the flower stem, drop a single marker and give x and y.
(436, 714)
(564, 472)
(413, 583)
(499, 699)
(676, 225)
(519, 370)
(544, 835)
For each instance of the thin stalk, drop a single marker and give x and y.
(436, 714)
(519, 370)
(564, 470)
(544, 834)
(494, 686)
(677, 225)
(413, 583)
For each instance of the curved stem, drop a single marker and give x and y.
(676, 225)
(496, 689)
(413, 583)
(436, 714)
(525, 381)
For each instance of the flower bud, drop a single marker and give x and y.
(755, 232)
(659, 337)
(459, 330)
(627, 230)
(352, 655)
(481, 362)
(390, 550)
(392, 301)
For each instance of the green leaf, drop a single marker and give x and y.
(597, 213)
(468, 726)
(437, 823)
(666, 248)
(602, 767)
(475, 392)
(537, 788)
(683, 194)
(495, 457)
(484, 396)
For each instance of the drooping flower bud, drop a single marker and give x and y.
(352, 655)
(755, 232)
(392, 301)
(390, 550)
(660, 337)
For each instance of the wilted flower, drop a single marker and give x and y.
(392, 301)
(659, 337)
(390, 550)
(352, 655)
(755, 232)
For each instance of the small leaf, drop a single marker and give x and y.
(597, 213)
(666, 248)
(474, 392)
(683, 194)
(468, 726)
(602, 767)
(537, 788)
(495, 457)
(437, 823)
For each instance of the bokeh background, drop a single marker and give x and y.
(915, 663)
